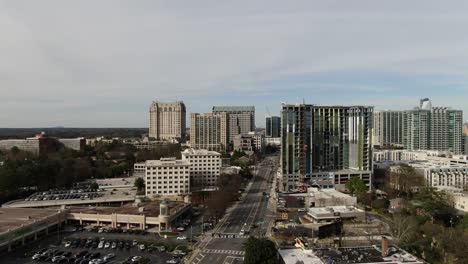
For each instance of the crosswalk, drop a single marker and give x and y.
(224, 251)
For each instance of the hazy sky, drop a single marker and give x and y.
(101, 63)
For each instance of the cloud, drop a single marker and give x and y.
(90, 57)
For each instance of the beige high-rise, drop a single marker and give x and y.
(209, 131)
(241, 119)
(167, 120)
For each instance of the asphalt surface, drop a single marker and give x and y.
(226, 244)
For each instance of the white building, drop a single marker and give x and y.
(460, 201)
(205, 167)
(139, 169)
(317, 197)
(167, 176)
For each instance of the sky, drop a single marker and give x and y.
(88, 63)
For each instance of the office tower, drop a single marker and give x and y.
(167, 120)
(241, 119)
(205, 168)
(273, 126)
(433, 128)
(167, 176)
(388, 128)
(209, 131)
(318, 141)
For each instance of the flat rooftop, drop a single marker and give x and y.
(200, 152)
(297, 255)
(12, 218)
(151, 209)
(167, 162)
(333, 209)
(327, 193)
(371, 254)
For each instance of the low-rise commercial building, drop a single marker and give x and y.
(335, 213)
(168, 177)
(42, 143)
(205, 167)
(317, 197)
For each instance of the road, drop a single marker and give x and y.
(225, 243)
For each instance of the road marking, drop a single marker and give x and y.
(224, 251)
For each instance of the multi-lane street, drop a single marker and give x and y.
(252, 215)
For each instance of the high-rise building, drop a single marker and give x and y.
(209, 131)
(433, 128)
(388, 128)
(205, 168)
(273, 126)
(167, 120)
(241, 119)
(317, 140)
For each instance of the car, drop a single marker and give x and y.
(179, 252)
(172, 261)
(134, 243)
(107, 245)
(36, 256)
(101, 245)
(57, 258)
(301, 210)
(141, 247)
(136, 258)
(67, 244)
(181, 238)
(109, 256)
(114, 245)
(180, 228)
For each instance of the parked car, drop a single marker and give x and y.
(181, 238)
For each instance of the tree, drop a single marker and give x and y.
(404, 179)
(139, 184)
(94, 186)
(356, 186)
(260, 251)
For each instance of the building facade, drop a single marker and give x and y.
(205, 168)
(209, 131)
(433, 128)
(316, 140)
(241, 119)
(167, 177)
(273, 126)
(388, 128)
(167, 120)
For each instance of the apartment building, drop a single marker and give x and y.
(388, 128)
(319, 140)
(167, 177)
(167, 120)
(250, 142)
(209, 131)
(241, 119)
(205, 168)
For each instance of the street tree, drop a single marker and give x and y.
(260, 251)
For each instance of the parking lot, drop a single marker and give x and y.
(84, 247)
(64, 195)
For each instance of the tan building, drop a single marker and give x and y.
(167, 176)
(205, 167)
(167, 120)
(209, 131)
(241, 119)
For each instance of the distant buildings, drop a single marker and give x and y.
(167, 120)
(388, 128)
(273, 127)
(42, 143)
(167, 176)
(209, 131)
(241, 119)
(249, 142)
(422, 128)
(205, 168)
(321, 141)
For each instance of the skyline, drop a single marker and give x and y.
(59, 69)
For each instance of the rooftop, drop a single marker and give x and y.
(12, 218)
(297, 255)
(333, 209)
(233, 108)
(327, 193)
(151, 209)
(200, 152)
(167, 162)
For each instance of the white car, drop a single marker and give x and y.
(101, 245)
(108, 257)
(67, 244)
(301, 210)
(142, 247)
(107, 245)
(181, 238)
(172, 261)
(36, 256)
(136, 258)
